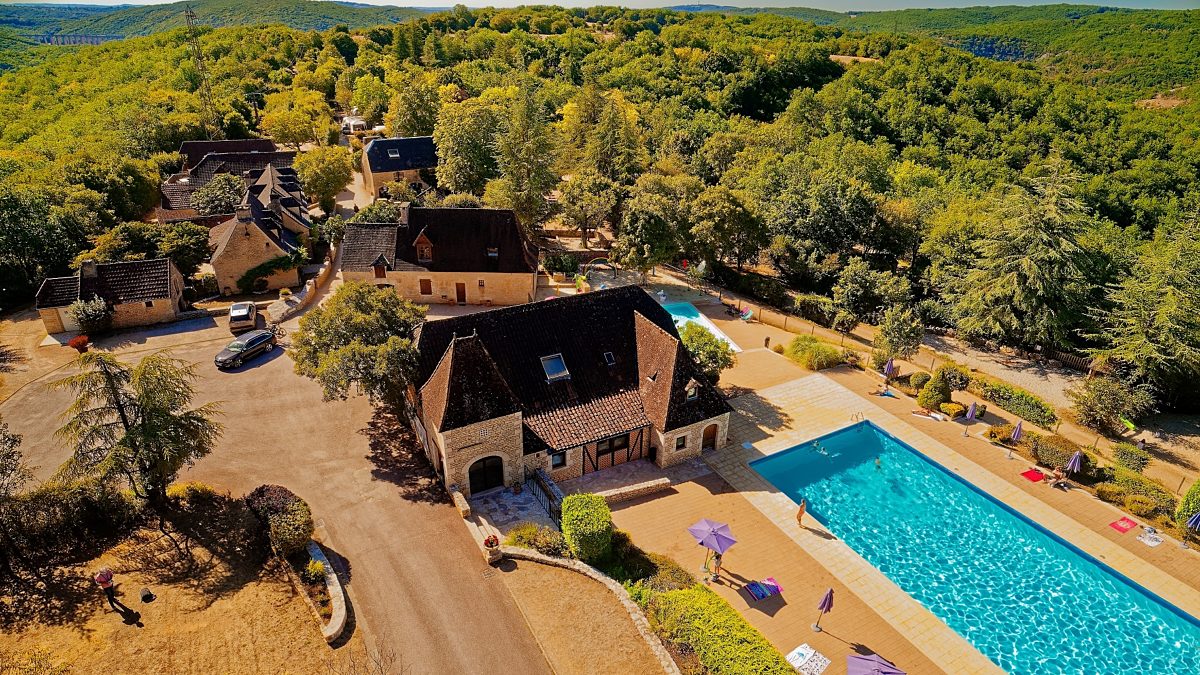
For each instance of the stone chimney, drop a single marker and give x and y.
(243, 213)
(87, 269)
(404, 207)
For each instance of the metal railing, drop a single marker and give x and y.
(547, 493)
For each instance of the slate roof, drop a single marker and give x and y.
(117, 283)
(417, 152)
(460, 239)
(194, 151)
(271, 193)
(177, 190)
(646, 384)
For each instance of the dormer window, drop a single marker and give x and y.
(424, 253)
(493, 252)
(555, 368)
(693, 391)
(393, 153)
(610, 359)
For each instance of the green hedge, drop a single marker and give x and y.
(287, 516)
(540, 538)
(1130, 456)
(934, 393)
(1015, 400)
(1111, 493)
(919, 379)
(587, 526)
(723, 641)
(1190, 504)
(956, 375)
(1136, 484)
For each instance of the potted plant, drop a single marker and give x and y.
(79, 343)
(491, 541)
(516, 487)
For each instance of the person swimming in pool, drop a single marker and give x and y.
(878, 464)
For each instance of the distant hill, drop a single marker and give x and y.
(821, 17)
(43, 18)
(300, 14)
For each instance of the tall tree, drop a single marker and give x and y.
(465, 135)
(297, 116)
(725, 228)
(414, 108)
(325, 172)
(900, 332)
(360, 339)
(184, 243)
(587, 200)
(136, 422)
(370, 97)
(15, 474)
(615, 148)
(220, 195)
(524, 153)
(1026, 285)
(647, 236)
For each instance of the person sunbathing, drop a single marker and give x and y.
(1057, 478)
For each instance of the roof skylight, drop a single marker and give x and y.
(555, 367)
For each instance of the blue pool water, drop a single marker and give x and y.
(686, 312)
(1025, 598)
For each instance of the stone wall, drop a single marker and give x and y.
(668, 455)
(498, 288)
(51, 320)
(462, 447)
(132, 314)
(246, 252)
(376, 179)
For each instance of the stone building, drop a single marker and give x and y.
(452, 256)
(205, 159)
(271, 223)
(569, 385)
(398, 160)
(139, 292)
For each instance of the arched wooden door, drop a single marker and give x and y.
(486, 474)
(709, 441)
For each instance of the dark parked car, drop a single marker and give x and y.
(245, 348)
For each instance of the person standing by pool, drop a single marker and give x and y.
(800, 513)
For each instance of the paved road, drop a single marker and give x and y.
(418, 583)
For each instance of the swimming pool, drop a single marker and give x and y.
(1028, 600)
(686, 312)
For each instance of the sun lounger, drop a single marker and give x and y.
(746, 315)
(761, 590)
(807, 660)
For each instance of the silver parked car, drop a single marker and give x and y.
(242, 316)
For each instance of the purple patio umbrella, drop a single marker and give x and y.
(826, 605)
(1194, 521)
(970, 418)
(1075, 464)
(1016, 436)
(872, 664)
(889, 369)
(712, 535)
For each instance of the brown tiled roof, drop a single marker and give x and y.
(460, 239)
(597, 400)
(177, 191)
(466, 387)
(194, 151)
(117, 283)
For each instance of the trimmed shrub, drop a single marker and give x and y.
(191, 491)
(953, 410)
(313, 572)
(668, 575)
(561, 264)
(288, 518)
(79, 343)
(919, 379)
(1136, 484)
(540, 538)
(587, 526)
(1190, 504)
(850, 357)
(956, 375)
(1140, 506)
(1130, 456)
(93, 316)
(1111, 493)
(1053, 451)
(1014, 399)
(625, 562)
(777, 348)
(1000, 433)
(934, 393)
(816, 308)
(698, 620)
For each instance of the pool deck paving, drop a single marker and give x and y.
(775, 418)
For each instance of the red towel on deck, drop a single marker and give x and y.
(1034, 475)
(1123, 525)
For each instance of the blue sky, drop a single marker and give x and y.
(818, 4)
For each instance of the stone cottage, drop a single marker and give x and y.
(569, 385)
(398, 160)
(139, 292)
(271, 223)
(452, 256)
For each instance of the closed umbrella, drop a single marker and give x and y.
(1015, 437)
(871, 664)
(826, 605)
(970, 418)
(889, 369)
(1075, 464)
(1193, 523)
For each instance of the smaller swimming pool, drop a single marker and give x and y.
(686, 312)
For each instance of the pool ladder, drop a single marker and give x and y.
(858, 417)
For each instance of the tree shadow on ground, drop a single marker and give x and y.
(10, 358)
(398, 459)
(763, 416)
(52, 598)
(210, 543)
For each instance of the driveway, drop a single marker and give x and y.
(418, 584)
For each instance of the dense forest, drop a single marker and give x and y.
(987, 196)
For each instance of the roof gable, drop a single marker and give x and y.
(466, 387)
(117, 283)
